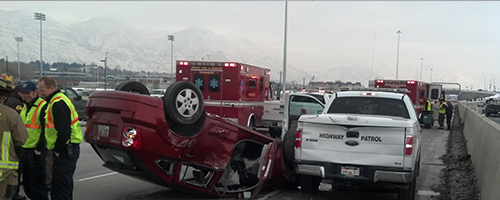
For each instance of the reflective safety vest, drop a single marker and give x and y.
(429, 106)
(442, 109)
(5, 162)
(32, 122)
(51, 132)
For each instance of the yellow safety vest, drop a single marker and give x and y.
(429, 106)
(51, 132)
(442, 109)
(32, 122)
(6, 163)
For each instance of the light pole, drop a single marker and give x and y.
(493, 82)
(41, 17)
(484, 88)
(105, 61)
(397, 60)
(431, 75)
(18, 39)
(171, 38)
(421, 67)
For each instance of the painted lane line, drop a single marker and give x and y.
(269, 195)
(428, 193)
(98, 176)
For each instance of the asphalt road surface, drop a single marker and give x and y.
(95, 182)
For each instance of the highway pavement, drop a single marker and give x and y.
(93, 181)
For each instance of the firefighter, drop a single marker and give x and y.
(34, 150)
(442, 113)
(13, 134)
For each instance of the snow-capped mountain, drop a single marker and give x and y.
(128, 48)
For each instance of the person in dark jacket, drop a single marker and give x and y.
(14, 100)
(63, 134)
(449, 114)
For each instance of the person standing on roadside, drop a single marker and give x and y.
(34, 150)
(12, 134)
(442, 112)
(63, 134)
(449, 114)
(14, 101)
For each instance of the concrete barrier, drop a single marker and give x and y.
(483, 144)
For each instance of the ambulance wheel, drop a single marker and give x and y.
(183, 103)
(288, 147)
(133, 86)
(275, 132)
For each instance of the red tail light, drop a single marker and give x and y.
(298, 139)
(303, 111)
(409, 145)
(131, 139)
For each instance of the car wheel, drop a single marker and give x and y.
(183, 103)
(487, 114)
(309, 184)
(133, 86)
(189, 130)
(408, 194)
(288, 147)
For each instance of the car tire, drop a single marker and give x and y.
(183, 103)
(289, 147)
(189, 130)
(309, 184)
(133, 86)
(408, 194)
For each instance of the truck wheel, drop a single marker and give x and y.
(288, 147)
(408, 194)
(274, 132)
(183, 103)
(133, 86)
(309, 184)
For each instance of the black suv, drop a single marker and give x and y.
(79, 103)
(492, 109)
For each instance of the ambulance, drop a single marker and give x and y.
(233, 90)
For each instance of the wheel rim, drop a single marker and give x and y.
(187, 103)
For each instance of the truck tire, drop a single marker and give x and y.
(288, 147)
(275, 132)
(133, 86)
(408, 194)
(183, 103)
(309, 184)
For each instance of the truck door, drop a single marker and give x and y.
(210, 85)
(435, 92)
(297, 104)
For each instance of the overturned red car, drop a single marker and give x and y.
(173, 142)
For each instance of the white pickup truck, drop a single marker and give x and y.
(362, 137)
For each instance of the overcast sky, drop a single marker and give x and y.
(448, 35)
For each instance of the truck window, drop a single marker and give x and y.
(304, 105)
(370, 106)
(252, 83)
(434, 94)
(214, 83)
(261, 84)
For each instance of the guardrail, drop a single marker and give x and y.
(483, 144)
